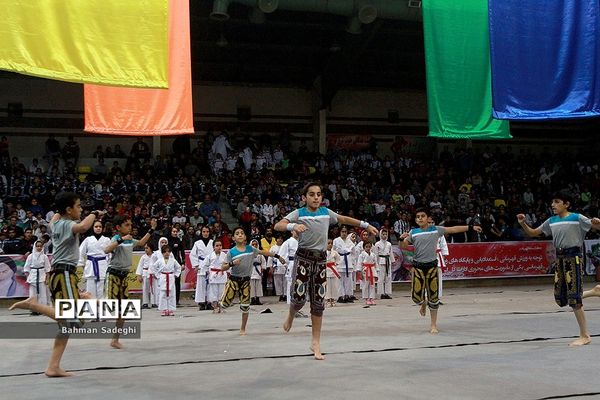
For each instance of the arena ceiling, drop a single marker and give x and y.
(306, 49)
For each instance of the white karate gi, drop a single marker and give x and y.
(150, 292)
(385, 259)
(216, 277)
(367, 262)
(36, 267)
(95, 262)
(198, 256)
(333, 276)
(258, 266)
(346, 265)
(442, 251)
(288, 252)
(166, 272)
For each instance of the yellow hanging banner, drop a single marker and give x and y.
(107, 42)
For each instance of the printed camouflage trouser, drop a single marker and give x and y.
(309, 276)
(425, 279)
(568, 287)
(62, 282)
(237, 285)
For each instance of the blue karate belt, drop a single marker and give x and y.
(345, 255)
(96, 266)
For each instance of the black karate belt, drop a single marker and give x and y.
(425, 266)
(568, 252)
(239, 278)
(117, 272)
(312, 255)
(64, 267)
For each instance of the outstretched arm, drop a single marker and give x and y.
(528, 230)
(345, 220)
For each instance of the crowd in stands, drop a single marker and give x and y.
(260, 183)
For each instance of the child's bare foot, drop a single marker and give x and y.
(581, 341)
(423, 310)
(595, 292)
(434, 330)
(316, 349)
(242, 333)
(85, 295)
(287, 324)
(116, 344)
(57, 373)
(24, 304)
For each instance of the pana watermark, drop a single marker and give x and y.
(98, 308)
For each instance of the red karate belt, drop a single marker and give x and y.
(217, 270)
(168, 282)
(151, 276)
(331, 266)
(369, 276)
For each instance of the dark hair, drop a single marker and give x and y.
(563, 195)
(217, 241)
(150, 245)
(165, 248)
(422, 210)
(120, 220)
(65, 200)
(308, 186)
(236, 229)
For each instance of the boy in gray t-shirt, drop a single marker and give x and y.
(121, 246)
(312, 224)
(425, 278)
(568, 232)
(239, 260)
(63, 278)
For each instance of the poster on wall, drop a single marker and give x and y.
(486, 260)
(592, 256)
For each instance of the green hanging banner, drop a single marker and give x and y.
(457, 58)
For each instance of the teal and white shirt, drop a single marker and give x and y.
(246, 257)
(425, 242)
(122, 256)
(568, 231)
(318, 222)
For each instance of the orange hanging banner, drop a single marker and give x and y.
(139, 112)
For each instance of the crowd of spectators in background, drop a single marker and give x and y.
(259, 182)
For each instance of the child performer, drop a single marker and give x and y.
(288, 253)
(258, 266)
(216, 278)
(312, 225)
(568, 230)
(358, 271)
(442, 251)
(425, 265)
(240, 259)
(278, 269)
(344, 246)
(166, 269)
(36, 267)
(94, 260)
(146, 278)
(200, 251)
(62, 278)
(121, 246)
(367, 262)
(333, 276)
(385, 258)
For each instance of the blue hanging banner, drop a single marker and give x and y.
(545, 58)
